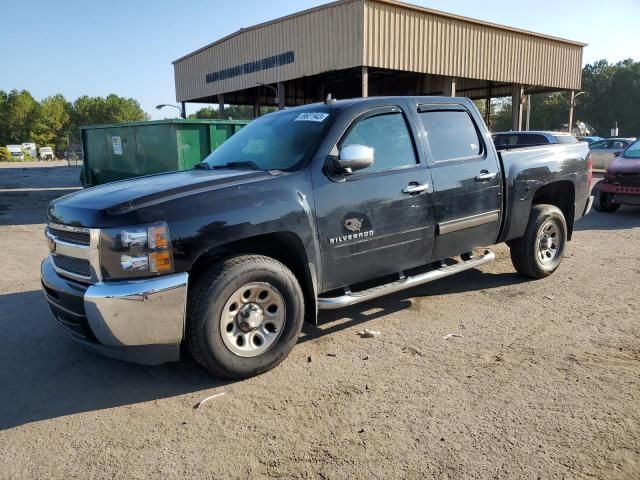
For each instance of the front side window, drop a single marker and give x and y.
(617, 145)
(451, 135)
(390, 139)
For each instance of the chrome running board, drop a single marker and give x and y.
(352, 298)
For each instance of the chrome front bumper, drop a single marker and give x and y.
(138, 320)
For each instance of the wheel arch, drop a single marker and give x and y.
(286, 247)
(562, 194)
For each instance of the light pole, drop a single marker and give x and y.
(162, 105)
(571, 107)
(529, 103)
(272, 88)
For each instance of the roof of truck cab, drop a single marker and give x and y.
(392, 100)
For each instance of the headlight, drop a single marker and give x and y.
(140, 251)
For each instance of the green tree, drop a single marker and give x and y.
(51, 126)
(5, 155)
(233, 112)
(18, 110)
(98, 110)
(612, 93)
(205, 113)
(550, 111)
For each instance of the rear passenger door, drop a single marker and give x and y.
(466, 176)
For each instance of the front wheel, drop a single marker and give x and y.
(244, 316)
(538, 253)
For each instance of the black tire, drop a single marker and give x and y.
(603, 201)
(528, 253)
(207, 302)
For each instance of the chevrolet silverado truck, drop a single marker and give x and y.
(317, 207)
(621, 184)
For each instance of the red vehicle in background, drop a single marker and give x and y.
(621, 184)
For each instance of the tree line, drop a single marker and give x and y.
(611, 94)
(55, 121)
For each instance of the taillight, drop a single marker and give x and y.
(589, 169)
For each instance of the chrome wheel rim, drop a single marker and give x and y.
(252, 319)
(549, 243)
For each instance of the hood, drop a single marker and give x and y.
(624, 165)
(90, 207)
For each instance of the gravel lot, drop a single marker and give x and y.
(543, 383)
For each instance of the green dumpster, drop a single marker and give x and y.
(126, 150)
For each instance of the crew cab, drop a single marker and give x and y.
(621, 184)
(316, 207)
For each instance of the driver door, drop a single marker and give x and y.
(379, 220)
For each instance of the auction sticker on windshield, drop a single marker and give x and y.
(312, 117)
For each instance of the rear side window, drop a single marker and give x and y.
(565, 139)
(519, 140)
(390, 139)
(532, 139)
(598, 145)
(451, 134)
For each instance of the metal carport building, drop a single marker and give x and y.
(353, 48)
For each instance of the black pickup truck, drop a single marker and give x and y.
(317, 207)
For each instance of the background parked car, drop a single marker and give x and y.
(603, 152)
(506, 140)
(46, 153)
(621, 184)
(589, 140)
(16, 152)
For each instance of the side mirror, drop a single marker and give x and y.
(617, 154)
(355, 157)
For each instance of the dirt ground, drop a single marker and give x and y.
(544, 382)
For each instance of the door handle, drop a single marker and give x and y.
(485, 176)
(415, 188)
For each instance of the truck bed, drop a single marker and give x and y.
(525, 169)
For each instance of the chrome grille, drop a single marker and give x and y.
(77, 266)
(74, 251)
(75, 237)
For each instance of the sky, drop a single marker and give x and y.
(126, 47)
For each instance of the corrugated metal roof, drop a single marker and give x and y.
(377, 33)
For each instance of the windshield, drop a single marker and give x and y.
(633, 151)
(280, 141)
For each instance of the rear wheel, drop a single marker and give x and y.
(244, 316)
(538, 253)
(603, 201)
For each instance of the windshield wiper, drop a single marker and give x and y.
(202, 166)
(246, 164)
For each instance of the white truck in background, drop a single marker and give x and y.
(46, 153)
(16, 152)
